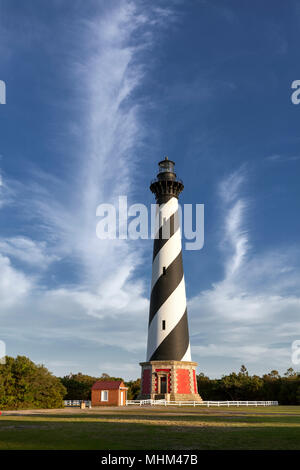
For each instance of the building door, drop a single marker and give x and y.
(163, 384)
(122, 398)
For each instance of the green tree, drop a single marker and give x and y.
(134, 389)
(298, 395)
(105, 376)
(24, 384)
(243, 370)
(78, 386)
(271, 385)
(204, 385)
(290, 373)
(242, 386)
(274, 374)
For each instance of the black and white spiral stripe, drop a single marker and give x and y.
(168, 298)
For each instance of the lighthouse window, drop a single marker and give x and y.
(166, 166)
(164, 324)
(164, 270)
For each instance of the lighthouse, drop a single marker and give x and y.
(168, 372)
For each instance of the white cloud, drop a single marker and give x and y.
(230, 187)
(14, 285)
(245, 315)
(239, 318)
(6, 192)
(105, 73)
(105, 308)
(27, 251)
(276, 158)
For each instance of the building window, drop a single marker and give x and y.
(164, 324)
(104, 395)
(164, 271)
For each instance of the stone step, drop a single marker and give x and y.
(185, 397)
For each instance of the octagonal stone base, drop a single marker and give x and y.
(169, 380)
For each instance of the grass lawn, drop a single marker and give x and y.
(153, 428)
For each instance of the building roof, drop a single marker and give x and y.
(107, 385)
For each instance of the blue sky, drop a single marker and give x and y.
(97, 93)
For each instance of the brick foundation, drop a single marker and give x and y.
(171, 380)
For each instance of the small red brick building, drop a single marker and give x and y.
(109, 393)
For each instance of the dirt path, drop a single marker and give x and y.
(147, 410)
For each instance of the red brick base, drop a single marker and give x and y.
(172, 380)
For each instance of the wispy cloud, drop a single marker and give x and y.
(235, 238)
(27, 251)
(6, 192)
(14, 285)
(277, 158)
(109, 133)
(241, 316)
(106, 306)
(97, 311)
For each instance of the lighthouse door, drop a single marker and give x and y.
(163, 384)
